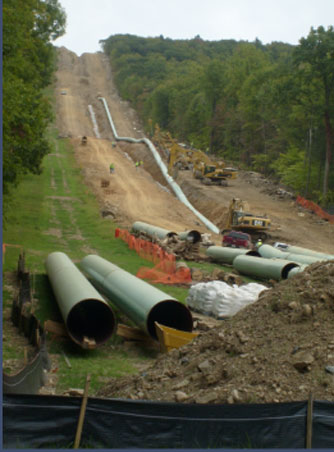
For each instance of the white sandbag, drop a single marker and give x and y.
(220, 300)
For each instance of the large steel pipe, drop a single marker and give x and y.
(299, 250)
(141, 302)
(227, 255)
(88, 318)
(193, 236)
(264, 268)
(272, 252)
(152, 231)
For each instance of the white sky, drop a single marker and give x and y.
(287, 21)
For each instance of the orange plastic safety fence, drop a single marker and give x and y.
(315, 208)
(165, 271)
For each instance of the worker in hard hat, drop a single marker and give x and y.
(259, 243)
(112, 168)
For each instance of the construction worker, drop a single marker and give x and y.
(259, 243)
(137, 164)
(112, 168)
(141, 163)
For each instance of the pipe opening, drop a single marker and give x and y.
(169, 313)
(92, 319)
(287, 268)
(194, 236)
(253, 253)
(171, 234)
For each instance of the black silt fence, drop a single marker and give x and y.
(40, 421)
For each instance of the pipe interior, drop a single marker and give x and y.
(93, 319)
(195, 236)
(169, 313)
(253, 253)
(287, 268)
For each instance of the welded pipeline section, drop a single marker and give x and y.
(261, 267)
(152, 231)
(176, 188)
(227, 255)
(141, 302)
(305, 251)
(272, 252)
(88, 318)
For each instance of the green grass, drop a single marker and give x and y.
(39, 222)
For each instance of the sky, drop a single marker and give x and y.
(89, 21)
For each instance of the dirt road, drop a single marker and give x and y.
(141, 195)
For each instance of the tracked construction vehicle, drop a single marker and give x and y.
(182, 157)
(257, 226)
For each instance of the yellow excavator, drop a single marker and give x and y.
(181, 157)
(257, 226)
(210, 172)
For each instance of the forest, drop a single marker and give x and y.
(268, 108)
(29, 63)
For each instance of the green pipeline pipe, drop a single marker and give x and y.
(299, 250)
(226, 254)
(151, 230)
(264, 268)
(85, 312)
(141, 302)
(192, 236)
(270, 252)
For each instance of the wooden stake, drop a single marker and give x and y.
(82, 414)
(309, 422)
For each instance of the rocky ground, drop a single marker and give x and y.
(279, 349)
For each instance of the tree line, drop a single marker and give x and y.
(265, 107)
(29, 62)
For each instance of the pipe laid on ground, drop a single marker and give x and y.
(299, 250)
(226, 254)
(141, 302)
(176, 188)
(193, 236)
(270, 252)
(152, 231)
(86, 314)
(264, 268)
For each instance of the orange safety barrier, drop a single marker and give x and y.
(315, 208)
(165, 271)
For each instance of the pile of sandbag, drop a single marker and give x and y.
(220, 300)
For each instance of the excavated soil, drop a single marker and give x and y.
(279, 349)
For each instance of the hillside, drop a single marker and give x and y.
(137, 195)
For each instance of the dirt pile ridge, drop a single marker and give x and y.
(278, 349)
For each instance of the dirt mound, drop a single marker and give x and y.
(278, 349)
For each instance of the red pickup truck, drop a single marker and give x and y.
(237, 239)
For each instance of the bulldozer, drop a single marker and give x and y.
(239, 219)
